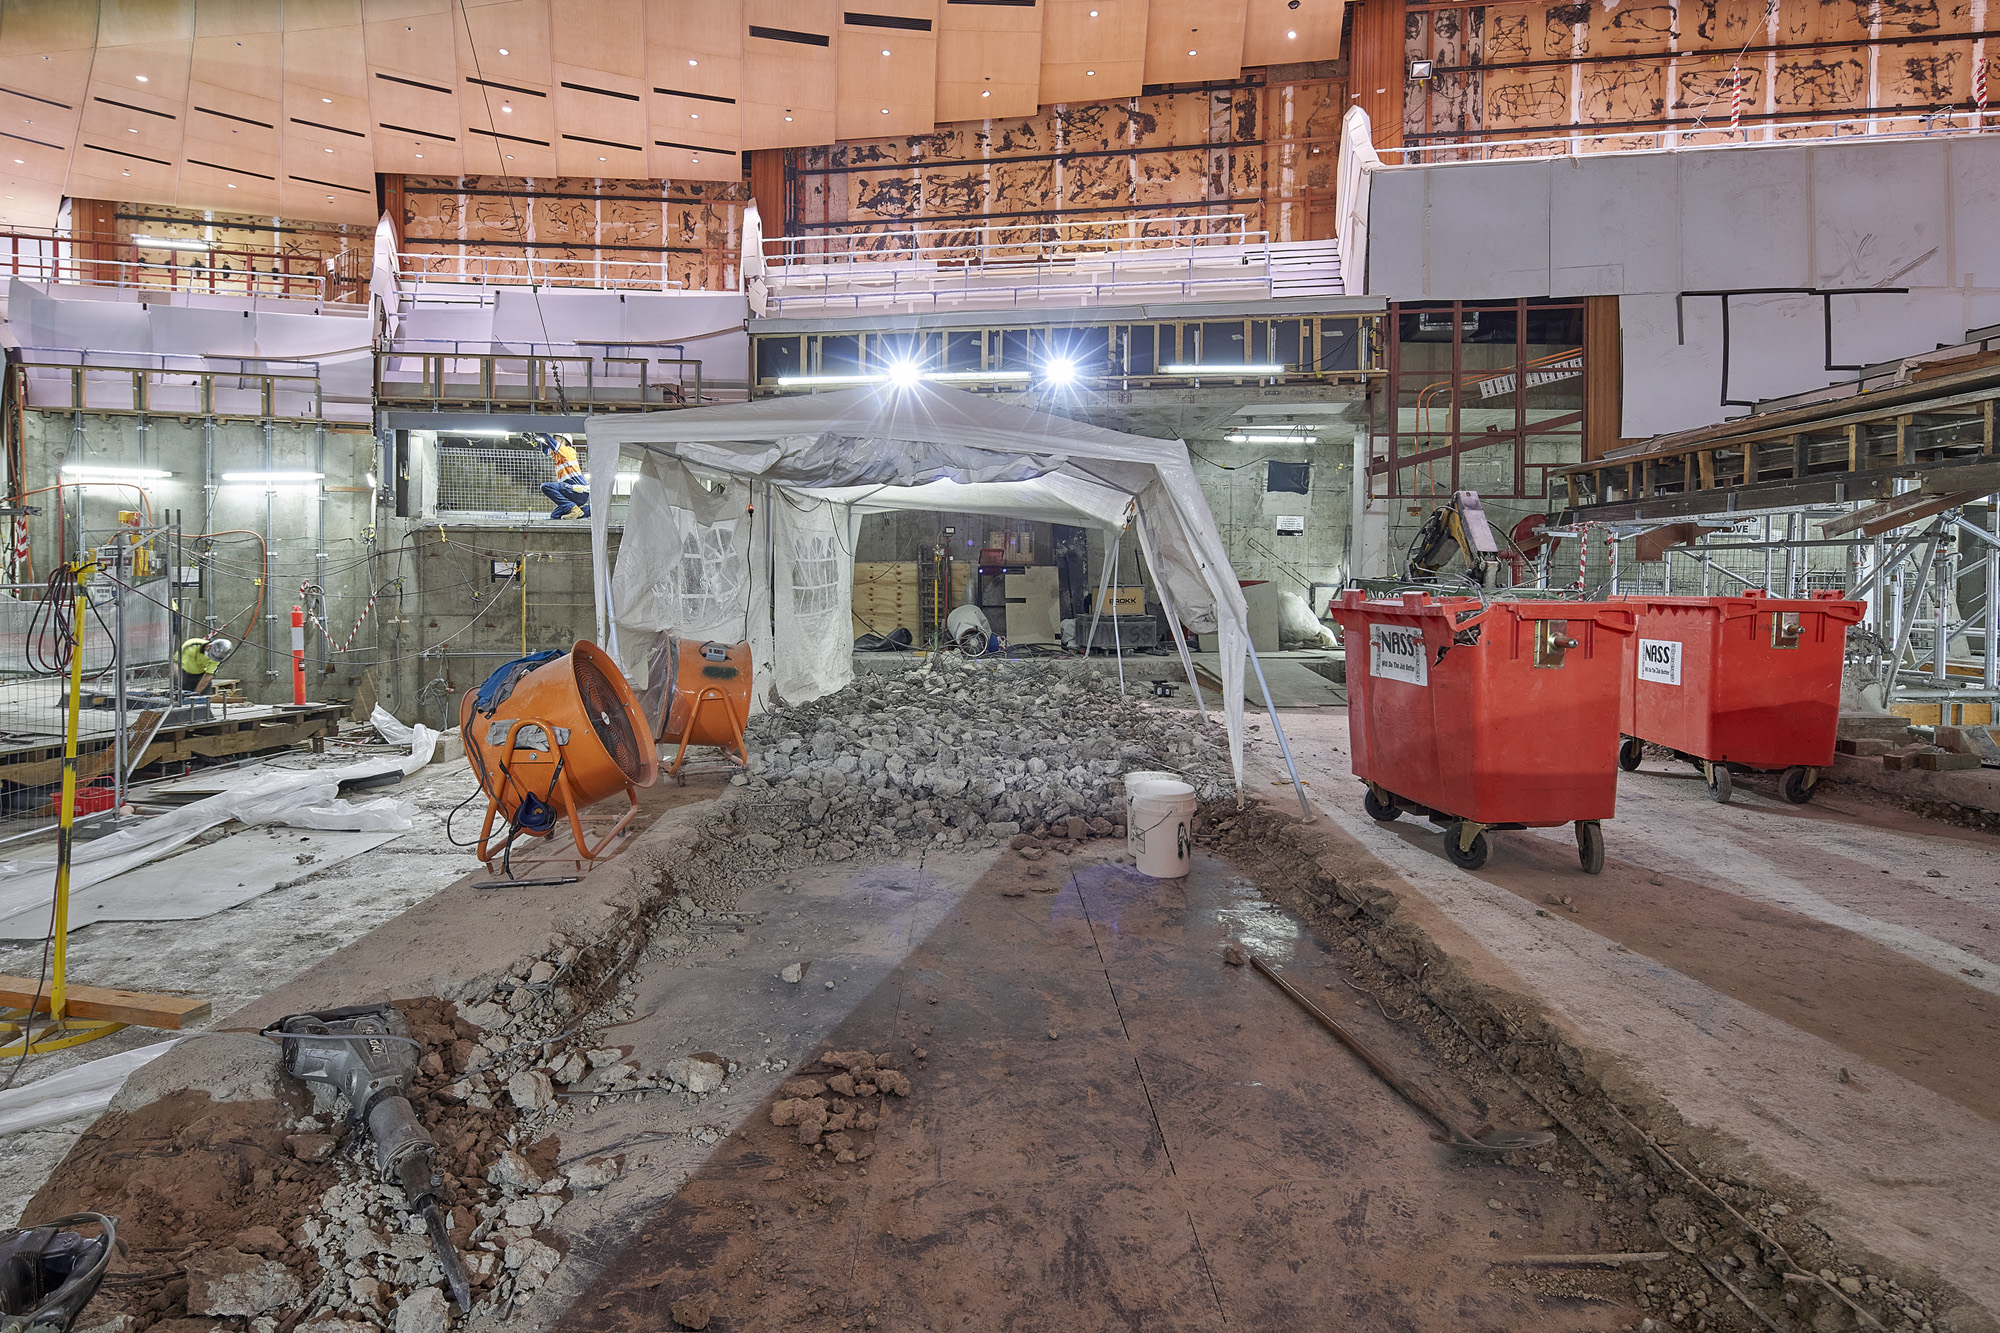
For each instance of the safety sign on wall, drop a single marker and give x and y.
(1396, 652)
(1660, 661)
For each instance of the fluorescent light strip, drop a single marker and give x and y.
(806, 381)
(949, 376)
(170, 243)
(86, 472)
(1272, 439)
(939, 376)
(272, 478)
(1224, 372)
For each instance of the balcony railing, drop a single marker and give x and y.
(92, 260)
(1944, 121)
(435, 373)
(532, 271)
(143, 384)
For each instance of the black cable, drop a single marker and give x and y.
(27, 1023)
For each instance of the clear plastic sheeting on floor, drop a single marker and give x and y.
(303, 798)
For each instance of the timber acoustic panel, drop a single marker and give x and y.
(1805, 68)
(291, 106)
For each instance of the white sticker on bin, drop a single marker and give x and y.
(1396, 652)
(1660, 661)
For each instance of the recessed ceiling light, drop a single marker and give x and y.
(506, 110)
(1194, 53)
(694, 62)
(600, 159)
(503, 50)
(329, 199)
(510, 157)
(885, 110)
(329, 150)
(1291, 36)
(232, 184)
(140, 77)
(124, 173)
(986, 92)
(327, 100)
(1087, 73)
(885, 50)
(1093, 13)
(419, 155)
(694, 115)
(787, 117)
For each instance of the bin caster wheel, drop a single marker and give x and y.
(1719, 785)
(1590, 846)
(1465, 858)
(1795, 784)
(1630, 751)
(1379, 809)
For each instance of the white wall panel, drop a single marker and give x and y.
(1880, 219)
(1745, 219)
(1777, 346)
(1671, 382)
(1609, 232)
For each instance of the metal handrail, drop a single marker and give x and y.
(535, 271)
(1479, 149)
(903, 288)
(542, 379)
(1038, 241)
(142, 380)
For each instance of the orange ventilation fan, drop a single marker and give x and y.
(550, 735)
(700, 692)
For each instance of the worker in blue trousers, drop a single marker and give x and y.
(570, 490)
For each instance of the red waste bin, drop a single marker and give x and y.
(1748, 682)
(1486, 715)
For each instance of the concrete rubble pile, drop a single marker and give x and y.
(957, 752)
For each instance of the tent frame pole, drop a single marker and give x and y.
(1285, 746)
(1174, 616)
(1117, 648)
(1097, 611)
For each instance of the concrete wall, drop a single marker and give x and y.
(1812, 256)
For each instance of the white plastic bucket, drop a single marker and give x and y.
(1144, 776)
(1158, 824)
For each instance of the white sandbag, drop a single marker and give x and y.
(1298, 625)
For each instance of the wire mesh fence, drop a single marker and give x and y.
(511, 484)
(126, 630)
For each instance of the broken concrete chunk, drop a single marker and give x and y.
(891, 1081)
(796, 1110)
(531, 1090)
(315, 1147)
(260, 1240)
(696, 1075)
(512, 1169)
(842, 1084)
(793, 972)
(801, 1087)
(531, 1262)
(694, 1311)
(604, 1056)
(230, 1282)
(1232, 954)
(810, 1130)
(423, 1311)
(570, 1068)
(595, 1173)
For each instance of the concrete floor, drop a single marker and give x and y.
(1110, 1129)
(1816, 982)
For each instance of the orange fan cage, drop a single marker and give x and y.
(707, 699)
(569, 735)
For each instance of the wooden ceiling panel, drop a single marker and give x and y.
(26, 203)
(402, 11)
(155, 73)
(507, 42)
(1193, 41)
(693, 134)
(231, 131)
(251, 63)
(600, 114)
(695, 46)
(41, 96)
(1276, 34)
(307, 15)
(989, 61)
(410, 46)
(1093, 50)
(348, 168)
(429, 154)
(790, 81)
(96, 174)
(305, 199)
(137, 124)
(228, 18)
(599, 35)
(888, 69)
(42, 27)
(133, 22)
(203, 184)
(329, 64)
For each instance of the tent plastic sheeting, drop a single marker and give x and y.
(742, 521)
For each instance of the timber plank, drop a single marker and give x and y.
(108, 1004)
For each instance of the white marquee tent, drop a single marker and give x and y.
(743, 519)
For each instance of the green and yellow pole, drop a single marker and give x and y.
(66, 827)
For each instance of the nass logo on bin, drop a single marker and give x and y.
(1660, 661)
(1396, 652)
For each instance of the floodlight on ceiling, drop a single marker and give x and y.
(1224, 372)
(168, 243)
(1058, 372)
(904, 374)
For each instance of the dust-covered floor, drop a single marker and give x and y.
(232, 957)
(1107, 1127)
